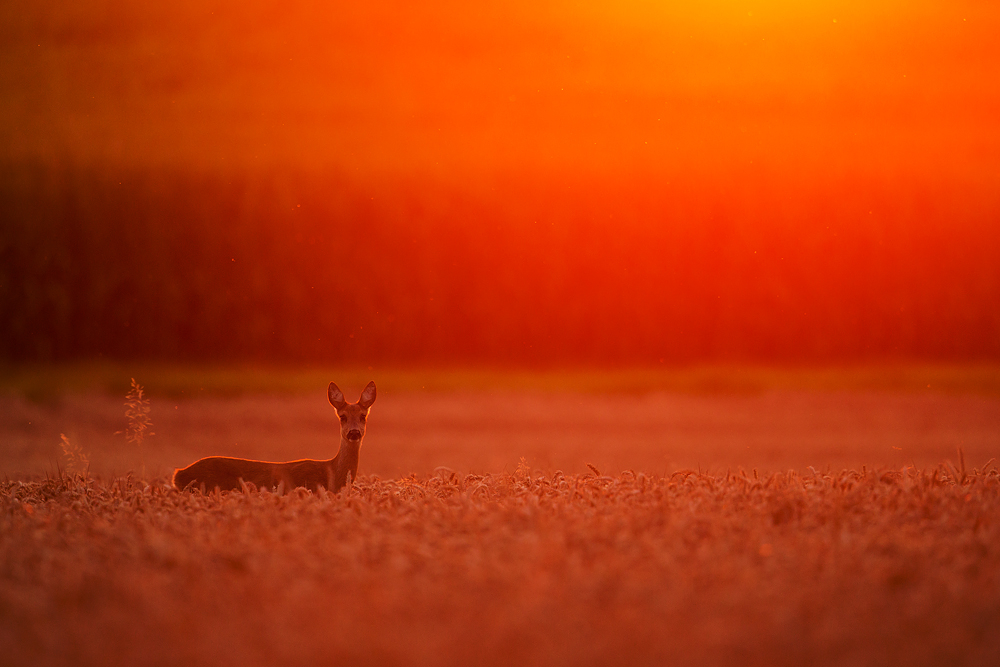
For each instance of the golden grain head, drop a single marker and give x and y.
(488, 569)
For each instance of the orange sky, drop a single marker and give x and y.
(445, 87)
(538, 180)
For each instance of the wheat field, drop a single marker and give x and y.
(524, 525)
(848, 567)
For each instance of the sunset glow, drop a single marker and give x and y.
(748, 179)
(684, 317)
(444, 87)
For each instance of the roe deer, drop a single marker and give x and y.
(226, 473)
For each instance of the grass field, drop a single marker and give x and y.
(546, 185)
(852, 567)
(706, 517)
(41, 382)
(476, 421)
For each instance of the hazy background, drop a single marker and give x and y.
(527, 183)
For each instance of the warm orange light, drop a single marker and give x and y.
(444, 87)
(717, 176)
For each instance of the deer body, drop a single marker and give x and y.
(229, 474)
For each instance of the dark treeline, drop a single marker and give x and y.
(160, 265)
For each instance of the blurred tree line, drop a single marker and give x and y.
(159, 264)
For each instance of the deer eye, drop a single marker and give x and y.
(363, 417)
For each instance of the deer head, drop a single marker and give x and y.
(352, 415)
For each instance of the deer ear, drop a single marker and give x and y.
(367, 396)
(336, 396)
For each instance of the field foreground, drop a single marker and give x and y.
(867, 567)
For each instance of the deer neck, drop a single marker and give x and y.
(346, 460)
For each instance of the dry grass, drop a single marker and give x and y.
(76, 460)
(871, 565)
(895, 566)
